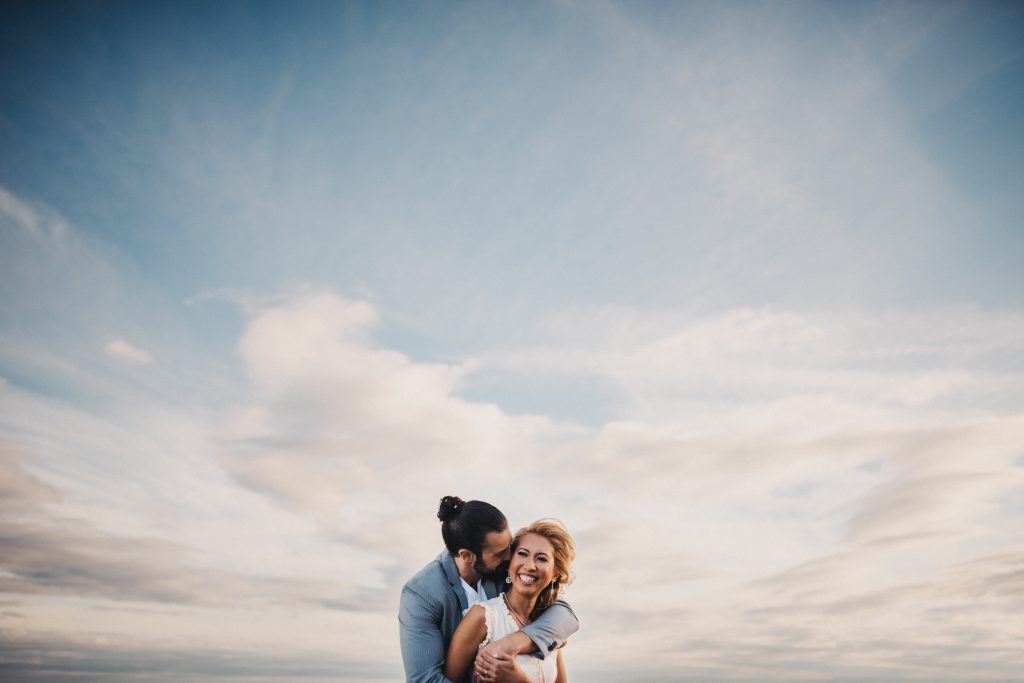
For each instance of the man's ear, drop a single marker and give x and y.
(467, 556)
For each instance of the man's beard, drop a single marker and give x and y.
(496, 574)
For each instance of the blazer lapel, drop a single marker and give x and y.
(454, 581)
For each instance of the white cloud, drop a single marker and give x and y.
(122, 350)
(357, 434)
(708, 531)
(19, 212)
(824, 457)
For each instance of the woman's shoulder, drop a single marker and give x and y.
(476, 612)
(474, 623)
(487, 609)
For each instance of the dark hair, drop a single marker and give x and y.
(465, 524)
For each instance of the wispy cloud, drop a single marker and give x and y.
(122, 350)
(29, 660)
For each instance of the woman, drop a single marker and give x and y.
(541, 555)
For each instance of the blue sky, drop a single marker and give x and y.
(731, 288)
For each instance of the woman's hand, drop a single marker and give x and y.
(499, 668)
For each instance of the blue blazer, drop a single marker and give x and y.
(431, 607)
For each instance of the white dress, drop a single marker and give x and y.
(500, 623)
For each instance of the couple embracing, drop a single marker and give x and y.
(489, 601)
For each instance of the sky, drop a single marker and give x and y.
(732, 289)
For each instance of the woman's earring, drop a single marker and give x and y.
(508, 579)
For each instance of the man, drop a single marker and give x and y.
(471, 569)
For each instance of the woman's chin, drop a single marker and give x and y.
(526, 590)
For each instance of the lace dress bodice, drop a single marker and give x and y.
(500, 623)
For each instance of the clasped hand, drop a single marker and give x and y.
(495, 663)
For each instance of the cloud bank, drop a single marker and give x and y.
(819, 517)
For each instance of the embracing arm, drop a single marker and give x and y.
(552, 628)
(470, 632)
(419, 622)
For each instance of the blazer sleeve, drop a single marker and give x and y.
(552, 628)
(419, 623)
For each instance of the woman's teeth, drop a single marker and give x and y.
(527, 579)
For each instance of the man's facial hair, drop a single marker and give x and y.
(497, 573)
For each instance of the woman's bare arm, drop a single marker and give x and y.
(562, 677)
(470, 632)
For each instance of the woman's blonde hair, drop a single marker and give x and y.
(565, 553)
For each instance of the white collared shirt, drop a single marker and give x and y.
(474, 595)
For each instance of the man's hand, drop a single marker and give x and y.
(498, 668)
(517, 643)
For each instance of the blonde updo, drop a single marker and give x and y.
(565, 552)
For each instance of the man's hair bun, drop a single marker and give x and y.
(466, 523)
(450, 507)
